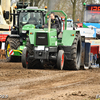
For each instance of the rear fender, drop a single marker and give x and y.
(68, 37)
(12, 36)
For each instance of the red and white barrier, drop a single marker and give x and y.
(11, 52)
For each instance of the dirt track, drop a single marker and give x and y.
(48, 84)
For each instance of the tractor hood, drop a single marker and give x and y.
(43, 37)
(28, 27)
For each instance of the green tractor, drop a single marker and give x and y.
(24, 19)
(44, 47)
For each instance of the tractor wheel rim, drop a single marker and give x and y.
(8, 48)
(62, 61)
(26, 57)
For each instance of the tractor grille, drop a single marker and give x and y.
(41, 39)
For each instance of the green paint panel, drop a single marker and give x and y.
(52, 36)
(28, 26)
(59, 42)
(24, 42)
(84, 26)
(16, 53)
(21, 48)
(67, 38)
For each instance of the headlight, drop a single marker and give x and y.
(46, 49)
(23, 31)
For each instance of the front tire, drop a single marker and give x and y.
(28, 60)
(25, 58)
(60, 59)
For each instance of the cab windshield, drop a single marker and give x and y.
(92, 16)
(34, 18)
(31, 18)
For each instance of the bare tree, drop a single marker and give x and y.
(80, 8)
(74, 9)
(22, 0)
(31, 2)
(36, 2)
(83, 8)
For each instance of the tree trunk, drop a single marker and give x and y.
(20, 0)
(91, 2)
(74, 10)
(31, 2)
(82, 13)
(36, 2)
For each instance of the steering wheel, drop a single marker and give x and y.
(32, 21)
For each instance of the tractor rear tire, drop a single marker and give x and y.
(60, 59)
(74, 64)
(12, 43)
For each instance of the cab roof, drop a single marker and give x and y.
(31, 9)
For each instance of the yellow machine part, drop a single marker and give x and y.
(8, 48)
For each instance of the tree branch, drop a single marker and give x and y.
(72, 1)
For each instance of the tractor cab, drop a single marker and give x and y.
(31, 17)
(24, 19)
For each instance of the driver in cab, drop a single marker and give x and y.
(32, 19)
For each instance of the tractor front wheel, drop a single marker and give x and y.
(60, 59)
(25, 58)
(28, 60)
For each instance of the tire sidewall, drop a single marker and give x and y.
(79, 56)
(59, 58)
(24, 58)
